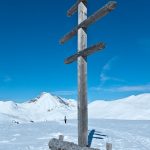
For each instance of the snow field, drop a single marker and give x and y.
(124, 135)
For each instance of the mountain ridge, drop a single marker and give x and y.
(48, 107)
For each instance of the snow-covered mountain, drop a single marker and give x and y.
(130, 108)
(43, 108)
(49, 107)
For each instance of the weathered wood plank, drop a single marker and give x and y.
(82, 79)
(99, 14)
(90, 20)
(55, 144)
(74, 8)
(86, 52)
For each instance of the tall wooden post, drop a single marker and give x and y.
(81, 57)
(82, 78)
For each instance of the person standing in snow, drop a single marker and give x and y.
(65, 119)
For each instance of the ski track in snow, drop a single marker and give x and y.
(124, 135)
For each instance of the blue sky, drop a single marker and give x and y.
(31, 59)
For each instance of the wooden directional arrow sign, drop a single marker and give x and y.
(93, 18)
(85, 52)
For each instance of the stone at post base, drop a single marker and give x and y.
(56, 144)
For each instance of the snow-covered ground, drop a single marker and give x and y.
(124, 135)
(30, 125)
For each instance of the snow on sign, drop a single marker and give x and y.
(81, 56)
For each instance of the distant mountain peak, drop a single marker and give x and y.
(51, 107)
(42, 96)
(45, 94)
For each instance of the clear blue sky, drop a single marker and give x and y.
(31, 59)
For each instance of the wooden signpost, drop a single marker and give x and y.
(92, 19)
(81, 57)
(85, 52)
